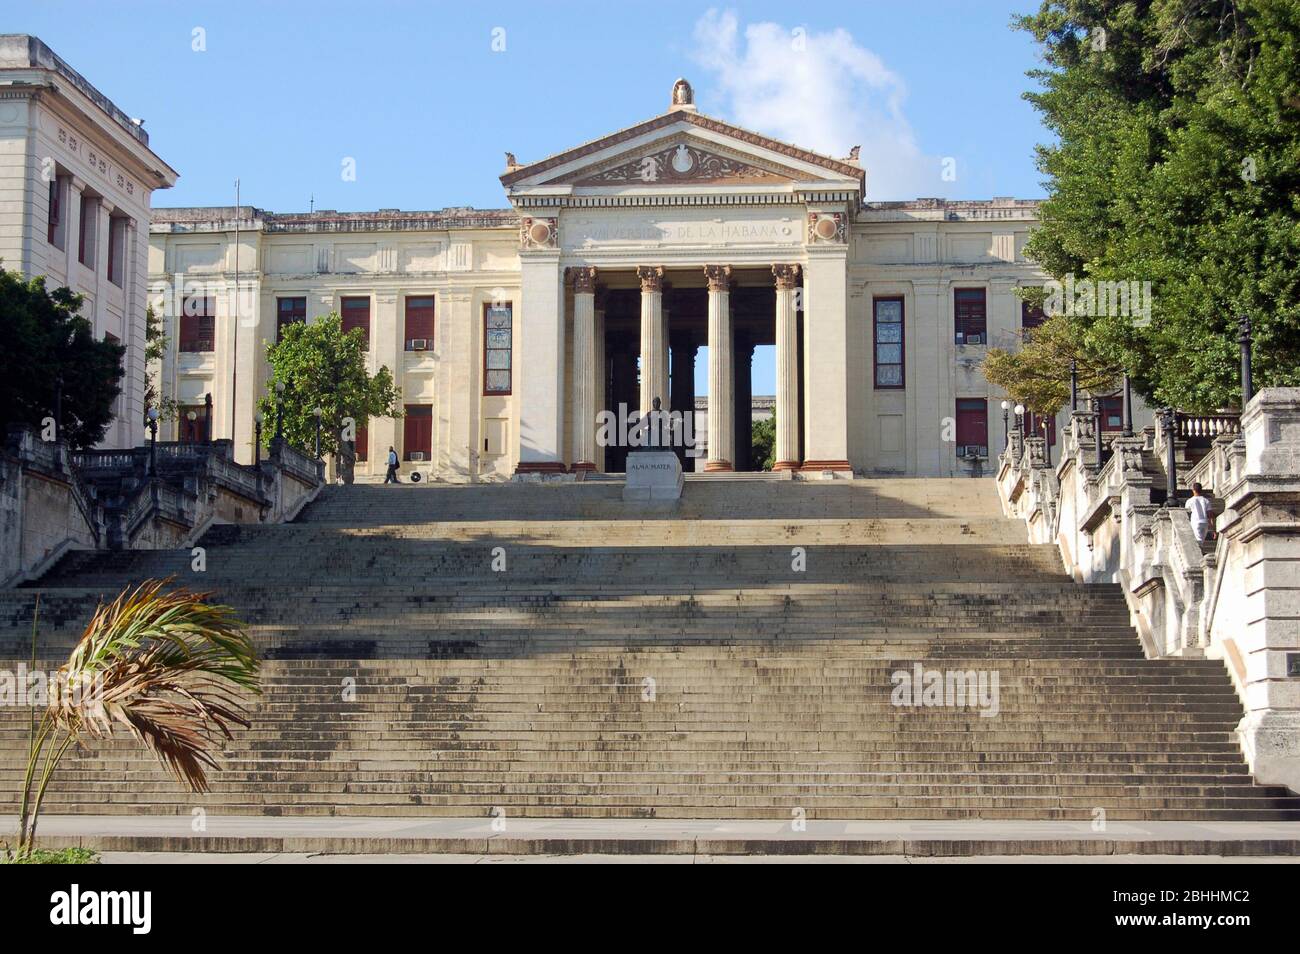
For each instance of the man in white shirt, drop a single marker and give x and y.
(391, 476)
(1199, 507)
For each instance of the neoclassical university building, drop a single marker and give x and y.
(620, 264)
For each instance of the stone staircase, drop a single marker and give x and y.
(549, 651)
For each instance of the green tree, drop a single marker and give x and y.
(1177, 162)
(321, 366)
(45, 344)
(762, 442)
(155, 348)
(1038, 375)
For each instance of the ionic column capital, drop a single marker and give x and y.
(583, 278)
(652, 277)
(718, 276)
(787, 276)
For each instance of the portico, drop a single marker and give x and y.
(680, 234)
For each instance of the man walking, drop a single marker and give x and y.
(1199, 507)
(391, 476)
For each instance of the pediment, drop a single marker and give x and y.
(681, 149)
(680, 162)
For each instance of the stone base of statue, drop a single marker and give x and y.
(653, 475)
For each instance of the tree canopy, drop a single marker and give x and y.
(46, 343)
(322, 366)
(1177, 162)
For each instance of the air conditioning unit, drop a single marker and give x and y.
(975, 339)
(418, 344)
(417, 455)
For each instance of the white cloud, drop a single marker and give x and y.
(822, 91)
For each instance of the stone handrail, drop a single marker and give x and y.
(1111, 524)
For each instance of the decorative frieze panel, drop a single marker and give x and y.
(95, 160)
(684, 162)
(537, 232)
(826, 227)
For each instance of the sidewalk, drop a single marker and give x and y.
(536, 836)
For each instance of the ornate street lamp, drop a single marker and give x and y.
(1169, 418)
(153, 440)
(207, 418)
(1128, 406)
(1046, 425)
(1006, 434)
(191, 417)
(1096, 429)
(1074, 384)
(279, 410)
(318, 412)
(258, 419)
(1020, 420)
(1243, 339)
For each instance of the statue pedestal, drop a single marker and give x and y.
(653, 475)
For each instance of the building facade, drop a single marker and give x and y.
(619, 265)
(76, 180)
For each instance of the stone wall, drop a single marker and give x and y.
(1235, 598)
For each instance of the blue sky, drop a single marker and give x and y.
(424, 100)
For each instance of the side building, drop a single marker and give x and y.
(76, 181)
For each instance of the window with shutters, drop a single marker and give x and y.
(888, 331)
(288, 311)
(972, 427)
(419, 323)
(417, 432)
(970, 316)
(362, 441)
(86, 235)
(356, 314)
(198, 324)
(53, 234)
(498, 322)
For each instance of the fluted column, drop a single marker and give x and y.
(654, 340)
(787, 369)
(722, 432)
(584, 367)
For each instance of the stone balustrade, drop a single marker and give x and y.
(54, 501)
(1236, 597)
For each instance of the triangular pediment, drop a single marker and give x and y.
(681, 150)
(681, 161)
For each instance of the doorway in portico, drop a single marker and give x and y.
(685, 305)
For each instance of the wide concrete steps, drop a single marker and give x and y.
(723, 733)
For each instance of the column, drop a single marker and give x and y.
(72, 228)
(721, 391)
(601, 370)
(826, 356)
(388, 349)
(743, 375)
(682, 386)
(787, 369)
(584, 367)
(654, 341)
(539, 347)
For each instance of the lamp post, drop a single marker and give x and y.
(1096, 429)
(1128, 406)
(1006, 434)
(279, 410)
(1074, 384)
(1020, 420)
(153, 441)
(318, 412)
(207, 417)
(1046, 425)
(258, 419)
(1243, 339)
(58, 407)
(1169, 418)
(191, 417)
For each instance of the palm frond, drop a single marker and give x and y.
(166, 666)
